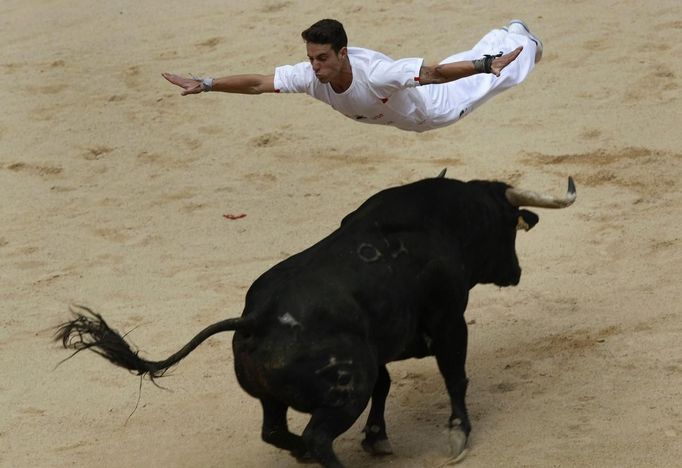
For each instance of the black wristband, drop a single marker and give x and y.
(485, 64)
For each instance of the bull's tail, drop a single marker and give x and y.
(92, 332)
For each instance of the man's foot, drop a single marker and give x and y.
(517, 26)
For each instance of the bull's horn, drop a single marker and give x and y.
(519, 197)
(442, 173)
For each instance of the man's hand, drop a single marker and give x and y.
(189, 85)
(503, 60)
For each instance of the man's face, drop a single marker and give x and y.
(327, 64)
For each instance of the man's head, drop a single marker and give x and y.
(326, 43)
(327, 31)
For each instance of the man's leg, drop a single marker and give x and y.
(458, 98)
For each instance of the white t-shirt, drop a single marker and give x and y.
(385, 91)
(382, 92)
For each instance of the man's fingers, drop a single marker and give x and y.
(515, 53)
(179, 80)
(500, 62)
(175, 79)
(170, 77)
(189, 85)
(191, 90)
(511, 56)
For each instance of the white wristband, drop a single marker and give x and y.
(206, 84)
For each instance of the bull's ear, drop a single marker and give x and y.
(526, 220)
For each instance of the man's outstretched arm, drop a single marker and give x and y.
(242, 84)
(454, 71)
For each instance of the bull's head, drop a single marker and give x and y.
(502, 266)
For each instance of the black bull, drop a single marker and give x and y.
(391, 283)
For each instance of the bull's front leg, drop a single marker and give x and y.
(450, 349)
(376, 441)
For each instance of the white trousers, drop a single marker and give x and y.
(451, 101)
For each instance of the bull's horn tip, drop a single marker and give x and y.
(571, 190)
(442, 173)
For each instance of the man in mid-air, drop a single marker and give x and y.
(370, 87)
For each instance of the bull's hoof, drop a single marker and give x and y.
(304, 457)
(377, 447)
(376, 441)
(458, 443)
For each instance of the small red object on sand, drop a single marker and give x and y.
(234, 216)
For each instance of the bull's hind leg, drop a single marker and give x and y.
(376, 441)
(325, 425)
(345, 385)
(276, 431)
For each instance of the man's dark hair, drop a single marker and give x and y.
(327, 31)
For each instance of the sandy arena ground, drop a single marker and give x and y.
(114, 188)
